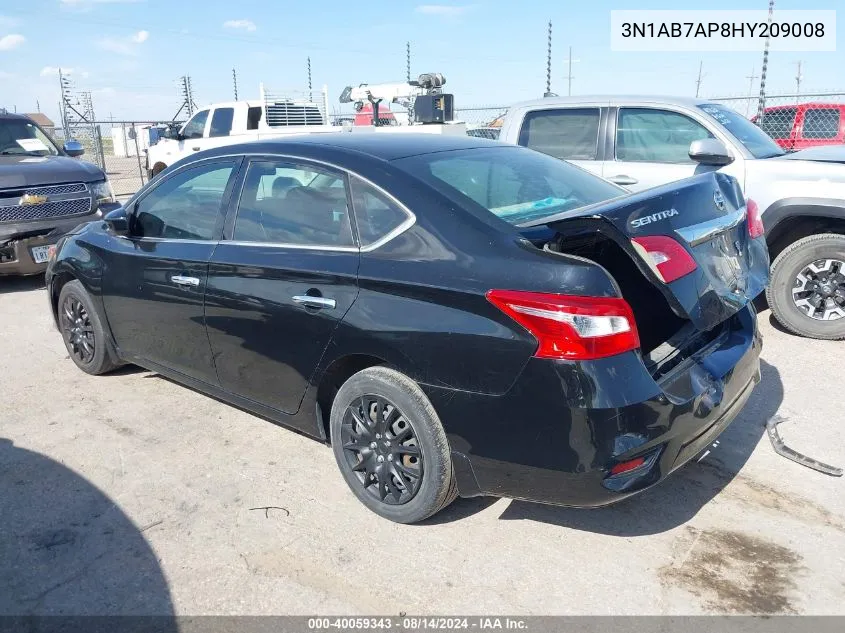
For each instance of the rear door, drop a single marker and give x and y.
(705, 216)
(281, 280)
(651, 146)
(573, 134)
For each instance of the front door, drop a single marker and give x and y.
(281, 283)
(153, 292)
(652, 148)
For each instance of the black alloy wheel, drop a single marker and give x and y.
(382, 449)
(77, 330)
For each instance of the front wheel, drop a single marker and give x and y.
(807, 289)
(390, 446)
(82, 330)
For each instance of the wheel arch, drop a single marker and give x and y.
(330, 381)
(792, 219)
(59, 281)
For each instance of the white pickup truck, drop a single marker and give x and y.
(641, 142)
(237, 122)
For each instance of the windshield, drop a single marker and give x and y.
(752, 137)
(515, 184)
(19, 137)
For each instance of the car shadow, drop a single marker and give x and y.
(67, 549)
(679, 498)
(21, 284)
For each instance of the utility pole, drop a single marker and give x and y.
(761, 101)
(37, 105)
(798, 78)
(549, 63)
(408, 62)
(700, 76)
(570, 76)
(750, 79)
(310, 98)
(235, 82)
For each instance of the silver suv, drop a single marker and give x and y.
(641, 142)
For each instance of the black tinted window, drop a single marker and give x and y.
(253, 116)
(194, 128)
(778, 123)
(514, 184)
(658, 136)
(286, 203)
(376, 214)
(567, 133)
(821, 123)
(185, 205)
(221, 122)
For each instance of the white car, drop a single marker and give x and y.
(641, 142)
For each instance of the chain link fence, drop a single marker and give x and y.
(796, 121)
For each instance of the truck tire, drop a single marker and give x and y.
(807, 288)
(390, 446)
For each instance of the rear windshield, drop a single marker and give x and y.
(515, 184)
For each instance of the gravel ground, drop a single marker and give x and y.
(131, 494)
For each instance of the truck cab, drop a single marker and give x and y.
(44, 193)
(234, 122)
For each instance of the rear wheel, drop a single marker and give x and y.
(807, 289)
(390, 446)
(82, 330)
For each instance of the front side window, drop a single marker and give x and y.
(755, 140)
(778, 123)
(194, 128)
(375, 213)
(568, 133)
(514, 184)
(184, 206)
(293, 204)
(19, 137)
(656, 136)
(821, 123)
(221, 122)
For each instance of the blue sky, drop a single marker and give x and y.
(130, 53)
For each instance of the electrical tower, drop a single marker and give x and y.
(78, 120)
(310, 98)
(761, 101)
(235, 82)
(408, 62)
(549, 92)
(188, 103)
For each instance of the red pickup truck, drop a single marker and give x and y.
(803, 125)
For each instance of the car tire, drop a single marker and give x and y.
(82, 331)
(783, 290)
(376, 453)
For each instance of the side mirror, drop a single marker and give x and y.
(73, 148)
(117, 220)
(710, 151)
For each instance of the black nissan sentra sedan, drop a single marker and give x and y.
(455, 316)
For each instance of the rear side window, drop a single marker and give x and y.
(375, 213)
(569, 133)
(253, 116)
(821, 123)
(221, 122)
(779, 123)
(183, 206)
(293, 204)
(656, 136)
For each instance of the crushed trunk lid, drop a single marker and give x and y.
(706, 216)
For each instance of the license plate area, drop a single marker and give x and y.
(40, 254)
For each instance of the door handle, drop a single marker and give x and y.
(623, 180)
(314, 302)
(181, 280)
(196, 149)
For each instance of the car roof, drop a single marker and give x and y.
(614, 100)
(12, 115)
(380, 145)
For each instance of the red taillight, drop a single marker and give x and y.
(755, 222)
(665, 256)
(570, 327)
(624, 467)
